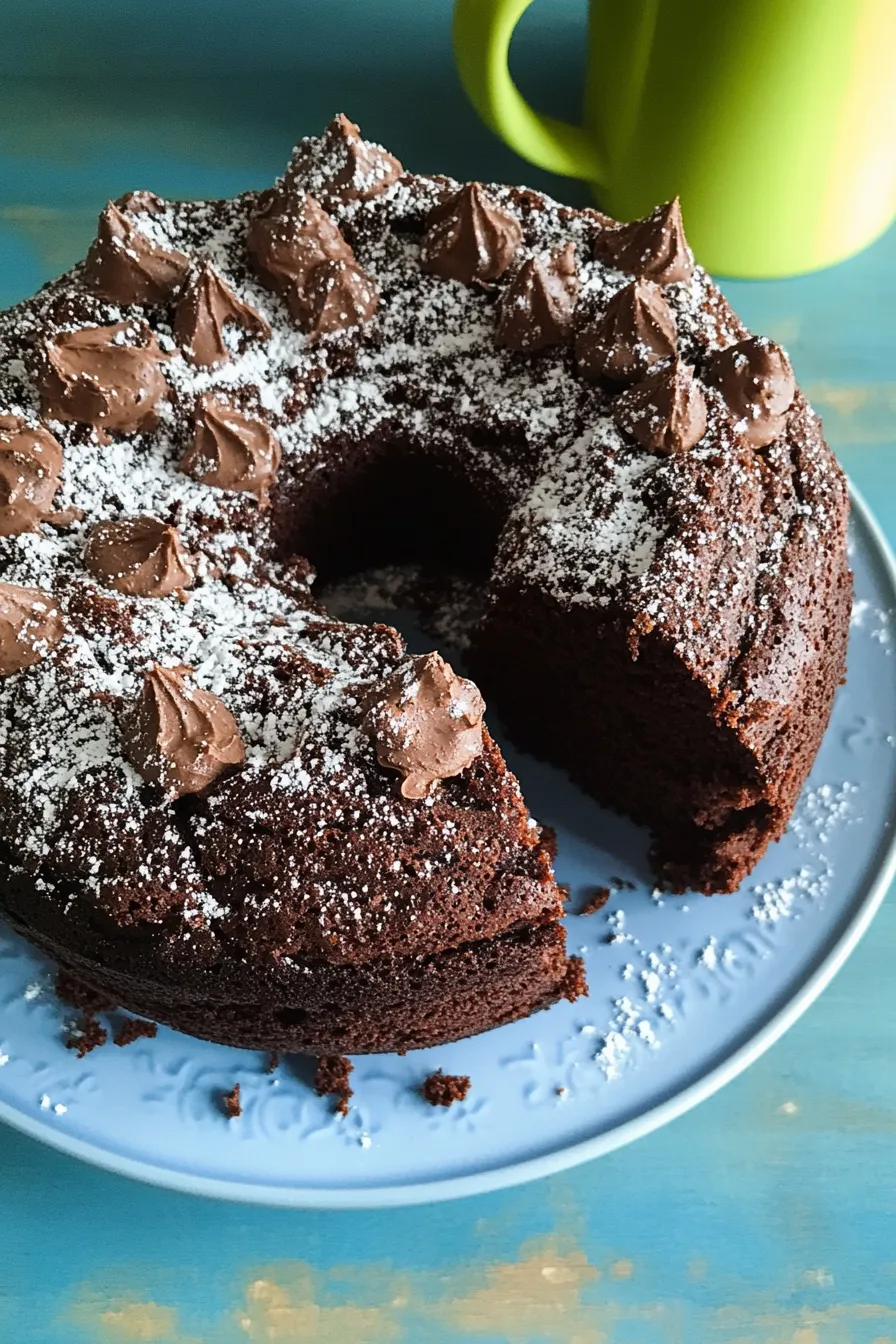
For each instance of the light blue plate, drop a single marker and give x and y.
(686, 995)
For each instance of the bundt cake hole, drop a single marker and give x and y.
(390, 505)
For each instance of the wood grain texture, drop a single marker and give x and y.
(764, 1217)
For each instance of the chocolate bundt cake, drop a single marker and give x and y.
(231, 813)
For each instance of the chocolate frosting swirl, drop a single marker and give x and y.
(30, 463)
(756, 380)
(124, 264)
(426, 723)
(109, 377)
(338, 296)
(287, 238)
(141, 557)
(342, 166)
(204, 310)
(653, 248)
(179, 737)
(30, 626)
(469, 238)
(232, 450)
(635, 330)
(538, 305)
(666, 411)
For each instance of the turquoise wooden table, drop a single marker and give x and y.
(764, 1217)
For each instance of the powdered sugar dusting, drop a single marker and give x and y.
(587, 532)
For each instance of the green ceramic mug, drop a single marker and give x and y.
(773, 120)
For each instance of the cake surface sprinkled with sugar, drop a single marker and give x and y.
(369, 381)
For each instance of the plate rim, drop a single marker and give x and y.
(546, 1164)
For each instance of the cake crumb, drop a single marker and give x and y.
(575, 982)
(87, 1036)
(133, 1029)
(331, 1079)
(596, 901)
(443, 1089)
(549, 840)
(78, 995)
(273, 1061)
(231, 1103)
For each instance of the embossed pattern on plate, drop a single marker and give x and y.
(685, 992)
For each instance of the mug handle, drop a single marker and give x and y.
(482, 31)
